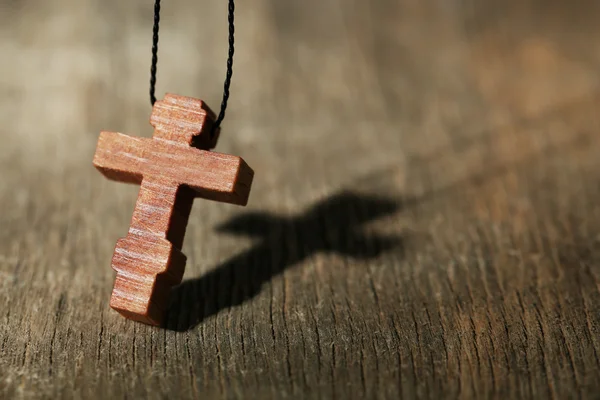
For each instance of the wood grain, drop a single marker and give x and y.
(424, 222)
(149, 261)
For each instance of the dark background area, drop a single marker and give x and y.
(424, 220)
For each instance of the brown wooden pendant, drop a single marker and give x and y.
(173, 168)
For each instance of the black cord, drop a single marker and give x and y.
(229, 68)
(154, 52)
(228, 75)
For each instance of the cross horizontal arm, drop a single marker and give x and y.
(120, 157)
(211, 175)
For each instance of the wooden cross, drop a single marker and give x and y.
(172, 168)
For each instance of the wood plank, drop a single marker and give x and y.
(424, 222)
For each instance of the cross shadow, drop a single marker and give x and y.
(332, 226)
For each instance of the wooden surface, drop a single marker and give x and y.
(172, 168)
(425, 218)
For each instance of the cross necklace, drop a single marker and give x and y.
(172, 169)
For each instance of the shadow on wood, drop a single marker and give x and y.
(332, 226)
